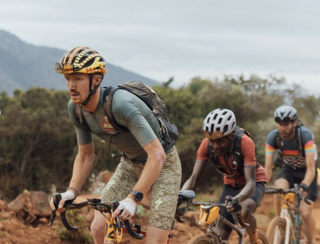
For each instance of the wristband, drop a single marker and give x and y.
(76, 192)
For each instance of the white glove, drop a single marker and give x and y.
(65, 196)
(128, 207)
(68, 195)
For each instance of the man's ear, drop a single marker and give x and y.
(96, 80)
(295, 123)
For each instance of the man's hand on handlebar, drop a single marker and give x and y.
(65, 196)
(233, 205)
(125, 210)
(304, 188)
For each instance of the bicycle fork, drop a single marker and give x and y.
(285, 215)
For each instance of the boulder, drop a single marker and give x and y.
(31, 206)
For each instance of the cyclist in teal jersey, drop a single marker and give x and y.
(296, 151)
(144, 164)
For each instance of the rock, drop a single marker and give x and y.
(31, 206)
(43, 221)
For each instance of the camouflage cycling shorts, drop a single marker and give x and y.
(164, 192)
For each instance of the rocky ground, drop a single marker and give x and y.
(25, 221)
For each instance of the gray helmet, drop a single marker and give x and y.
(285, 114)
(219, 123)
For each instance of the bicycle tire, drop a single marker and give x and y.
(261, 236)
(201, 239)
(281, 224)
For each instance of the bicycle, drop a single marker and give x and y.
(210, 215)
(115, 231)
(288, 228)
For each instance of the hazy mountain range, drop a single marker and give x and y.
(24, 65)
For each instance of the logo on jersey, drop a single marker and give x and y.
(106, 126)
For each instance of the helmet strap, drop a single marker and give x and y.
(230, 144)
(92, 91)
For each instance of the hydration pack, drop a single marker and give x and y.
(150, 98)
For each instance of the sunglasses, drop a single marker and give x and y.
(67, 68)
(285, 119)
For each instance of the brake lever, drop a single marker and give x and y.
(67, 205)
(302, 196)
(56, 199)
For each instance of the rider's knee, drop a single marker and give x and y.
(305, 214)
(246, 213)
(306, 210)
(97, 227)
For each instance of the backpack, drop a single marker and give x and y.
(279, 160)
(150, 98)
(237, 157)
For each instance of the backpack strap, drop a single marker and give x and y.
(278, 142)
(237, 156)
(108, 95)
(299, 139)
(80, 117)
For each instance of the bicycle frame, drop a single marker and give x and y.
(214, 218)
(287, 214)
(290, 213)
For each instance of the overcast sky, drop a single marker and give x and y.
(181, 38)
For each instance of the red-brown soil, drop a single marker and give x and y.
(15, 230)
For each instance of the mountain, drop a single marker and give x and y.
(24, 65)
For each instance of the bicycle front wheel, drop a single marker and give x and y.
(201, 239)
(261, 237)
(276, 232)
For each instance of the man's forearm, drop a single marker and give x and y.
(246, 192)
(311, 171)
(309, 177)
(149, 174)
(190, 184)
(81, 168)
(269, 175)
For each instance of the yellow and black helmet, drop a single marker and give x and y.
(81, 60)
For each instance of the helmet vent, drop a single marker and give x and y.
(212, 128)
(222, 121)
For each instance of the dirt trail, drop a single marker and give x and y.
(13, 229)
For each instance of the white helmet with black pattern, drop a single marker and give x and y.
(285, 114)
(219, 123)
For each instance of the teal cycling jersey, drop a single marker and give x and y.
(130, 112)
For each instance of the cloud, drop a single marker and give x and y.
(180, 38)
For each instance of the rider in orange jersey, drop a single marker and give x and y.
(244, 181)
